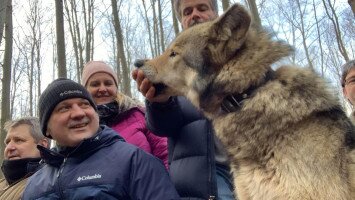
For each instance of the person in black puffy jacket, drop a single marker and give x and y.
(198, 164)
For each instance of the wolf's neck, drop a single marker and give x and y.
(233, 102)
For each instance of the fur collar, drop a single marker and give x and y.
(126, 103)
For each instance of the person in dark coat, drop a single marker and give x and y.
(21, 156)
(198, 162)
(90, 161)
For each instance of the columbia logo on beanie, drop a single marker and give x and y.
(71, 92)
(57, 91)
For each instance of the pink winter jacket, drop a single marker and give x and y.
(132, 128)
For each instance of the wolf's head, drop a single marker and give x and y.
(211, 60)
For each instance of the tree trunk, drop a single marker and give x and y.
(72, 31)
(78, 39)
(352, 5)
(155, 30)
(16, 74)
(6, 79)
(334, 19)
(254, 13)
(75, 35)
(303, 34)
(175, 20)
(225, 4)
(120, 50)
(162, 38)
(319, 40)
(62, 72)
(34, 22)
(2, 17)
(38, 62)
(148, 28)
(89, 28)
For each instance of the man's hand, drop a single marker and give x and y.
(146, 87)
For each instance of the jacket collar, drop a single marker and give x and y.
(105, 136)
(16, 170)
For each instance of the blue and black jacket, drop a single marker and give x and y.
(101, 167)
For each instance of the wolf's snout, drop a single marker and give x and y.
(139, 63)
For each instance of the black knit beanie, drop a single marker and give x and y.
(57, 91)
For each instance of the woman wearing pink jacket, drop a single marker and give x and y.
(120, 112)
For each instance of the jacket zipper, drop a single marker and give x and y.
(58, 180)
(211, 161)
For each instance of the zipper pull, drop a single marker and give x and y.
(61, 167)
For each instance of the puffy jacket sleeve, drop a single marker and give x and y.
(167, 119)
(149, 180)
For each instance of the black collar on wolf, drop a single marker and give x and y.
(233, 102)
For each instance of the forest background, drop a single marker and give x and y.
(41, 40)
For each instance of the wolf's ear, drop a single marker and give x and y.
(228, 32)
(232, 25)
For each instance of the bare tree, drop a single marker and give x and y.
(327, 36)
(38, 45)
(330, 11)
(6, 75)
(16, 74)
(295, 20)
(61, 60)
(352, 5)
(2, 18)
(156, 40)
(175, 20)
(81, 27)
(303, 31)
(225, 4)
(121, 52)
(34, 41)
(319, 40)
(89, 28)
(75, 34)
(162, 40)
(149, 28)
(254, 13)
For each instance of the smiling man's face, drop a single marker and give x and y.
(72, 121)
(20, 143)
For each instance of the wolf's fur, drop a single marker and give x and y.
(290, 139)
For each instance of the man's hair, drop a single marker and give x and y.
(177, 4)
(32, 122)
(345, 70)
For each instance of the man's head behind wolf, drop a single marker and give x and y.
(191, 12)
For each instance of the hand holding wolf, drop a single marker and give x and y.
(146, 88)
(290, 139)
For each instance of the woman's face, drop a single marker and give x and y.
(102, 87)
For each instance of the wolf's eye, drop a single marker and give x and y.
(173, 54)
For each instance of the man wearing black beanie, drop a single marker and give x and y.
(90, 161)
(59, 90)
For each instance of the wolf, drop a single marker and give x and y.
(286, 134)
